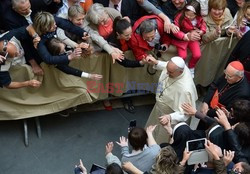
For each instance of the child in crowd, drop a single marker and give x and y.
(56, 47)
(192, 27)
(243, 19)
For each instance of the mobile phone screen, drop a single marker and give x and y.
(132, 123)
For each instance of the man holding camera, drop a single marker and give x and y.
(175, 86)
(148, 33)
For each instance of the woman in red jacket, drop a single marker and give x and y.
(189, 21)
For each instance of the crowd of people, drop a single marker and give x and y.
(57, 32)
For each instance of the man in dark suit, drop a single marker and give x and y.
(17, 13)
(128, 8)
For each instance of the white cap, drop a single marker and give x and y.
(191, 8)
(178, 61)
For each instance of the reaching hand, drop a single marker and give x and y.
(210, 148)
(151, 60)
(150, 129)
(109, 148)
(188, 109)
(95, 76)
(85, 36)
(75, 54)
(123, 142)
(165, 119)
(81, 166)
(222, 119)
(2, 59)
(37, 70)
(228, 114)
(83, 45)
(117, 54)
(228, 156)
(34, 83)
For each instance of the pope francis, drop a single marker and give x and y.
(175, 87)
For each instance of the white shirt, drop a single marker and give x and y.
(119, 5)
(156, 40)
(28, 18)
(64, 9)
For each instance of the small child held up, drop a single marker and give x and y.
(192, 27)
(57, 47)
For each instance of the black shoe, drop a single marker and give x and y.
(128, 106)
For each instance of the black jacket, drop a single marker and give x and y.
(129, 8)
(241, 52)
(239, 90)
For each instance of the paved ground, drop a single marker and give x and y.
(66, 139)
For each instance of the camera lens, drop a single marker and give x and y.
(163, 48)
(157, 46)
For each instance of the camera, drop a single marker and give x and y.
(160, 47)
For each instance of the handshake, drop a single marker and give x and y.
(149, 59)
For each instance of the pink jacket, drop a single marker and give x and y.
(186, 26)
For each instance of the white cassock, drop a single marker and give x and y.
(170, 95)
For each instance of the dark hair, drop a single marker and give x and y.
(53, 46)
(246, 168)
(120, 24)
(241, 110)
(194, 4)
(113, 168)
(137, 138)
(243, 132)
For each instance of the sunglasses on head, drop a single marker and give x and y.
(5, 43)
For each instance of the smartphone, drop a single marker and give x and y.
(132, 124)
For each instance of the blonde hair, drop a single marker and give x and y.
(95, 12)
(75, 10)
(242, 12)
(166, 161)
(42, 23)
(217, 4)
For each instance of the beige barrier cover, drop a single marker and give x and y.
(60, 91)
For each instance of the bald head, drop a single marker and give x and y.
(11, 49)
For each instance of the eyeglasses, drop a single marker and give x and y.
(228, 76)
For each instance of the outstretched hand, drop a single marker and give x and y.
(123, 141)
(109, 147)
(95, 76)
(188, 109)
